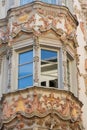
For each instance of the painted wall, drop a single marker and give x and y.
(82, 56)
(5, 5)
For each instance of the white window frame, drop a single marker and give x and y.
(59, 66)
(25, 45)
(19, 52)
(70, 60)
(18, 48)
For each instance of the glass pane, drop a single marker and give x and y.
(26, 57)
(50, 1)
(53, 1)
(25, 82)
(25, 1)
(25, 70)
(49, 68)
(48, 55)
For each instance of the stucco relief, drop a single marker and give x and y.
(65, 107)
(66, 110)
(49, 122)
(3, 36)
(39, 20)
(37, 24)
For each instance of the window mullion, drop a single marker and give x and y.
(60, 70)
(36, 63)
(25, 76)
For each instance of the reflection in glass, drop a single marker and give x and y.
(26, 57)
(58, 2)
(25, 82)
(23, 2)
(49, 68)
(25, 69)
(50, 1)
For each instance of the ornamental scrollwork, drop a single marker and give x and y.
(64, 106)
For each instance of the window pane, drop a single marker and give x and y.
(48, 55)
(25, 1)
(25, 70)
(50, 1)
(26, 57)
(53, 1)
(60, 2)
(25, 82)
(49, 68)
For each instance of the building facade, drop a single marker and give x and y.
(43, 65)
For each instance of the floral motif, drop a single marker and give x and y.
(65, 107)
(4, 36)
(37, 24)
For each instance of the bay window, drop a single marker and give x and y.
(25, 69)
(49, 64)
(50, 68)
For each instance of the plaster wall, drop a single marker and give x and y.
(2, 10)
(5, 5)
(82, 55)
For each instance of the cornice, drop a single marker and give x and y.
(24, 18)
(40, 102)
(3, 22)
(36, 5)
(43, 89)
(40, 5)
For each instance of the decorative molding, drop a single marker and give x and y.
(41, 102)
(36, 60)
(39, 20)
(51, 121)
(3, 51)
(3, 37)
